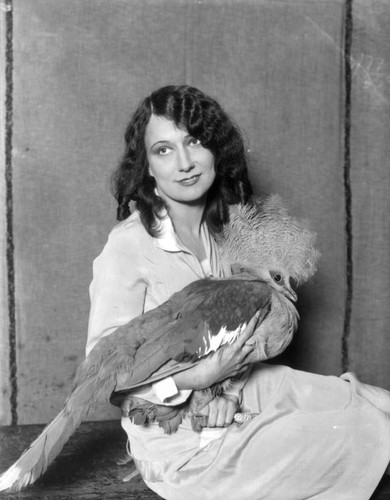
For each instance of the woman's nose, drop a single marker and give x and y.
(185, 161)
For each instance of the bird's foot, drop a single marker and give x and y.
(171, 425)
(198, 422)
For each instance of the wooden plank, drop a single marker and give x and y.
(87, 467)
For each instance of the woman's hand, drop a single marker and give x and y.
(228, 361)
(220, 411)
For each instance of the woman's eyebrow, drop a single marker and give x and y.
(164, 141)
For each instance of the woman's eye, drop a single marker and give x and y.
(162, 151)
(195, 142)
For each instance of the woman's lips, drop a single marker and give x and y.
(189, 181)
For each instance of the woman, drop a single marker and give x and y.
(318, 437)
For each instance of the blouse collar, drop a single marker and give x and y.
(167, 238)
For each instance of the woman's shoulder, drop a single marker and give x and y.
(129, 235)
(128, 227)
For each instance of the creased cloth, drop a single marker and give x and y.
(316, 437)
(135, 273)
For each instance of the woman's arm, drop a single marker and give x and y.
(117, 291)
(117, 295)
(229, 361)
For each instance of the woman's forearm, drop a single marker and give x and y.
(193, 378)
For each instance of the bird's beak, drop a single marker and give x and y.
(289, 292)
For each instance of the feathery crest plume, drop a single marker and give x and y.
(265, 235)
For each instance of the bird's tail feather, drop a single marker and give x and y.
(38, 456)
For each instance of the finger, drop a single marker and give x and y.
(249, 329)
(244, 353)
(213, 413)
(248, 347)
(230, 412)
(222, 409)
(254, 357)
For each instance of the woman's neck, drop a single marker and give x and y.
(187, 220)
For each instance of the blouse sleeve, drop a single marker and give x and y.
(117, 291)
(117, 294)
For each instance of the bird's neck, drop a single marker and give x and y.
(241, 271)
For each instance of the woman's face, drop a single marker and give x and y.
(182, 167)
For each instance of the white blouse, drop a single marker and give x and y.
(135, 273)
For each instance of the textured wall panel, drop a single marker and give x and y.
(81, 67)
(369, 344)
(277, 67)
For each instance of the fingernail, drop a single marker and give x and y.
(257, 314)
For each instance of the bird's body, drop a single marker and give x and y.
(198, 320)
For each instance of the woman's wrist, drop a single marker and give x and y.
(235, 398)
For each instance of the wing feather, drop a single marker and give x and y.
(209, 307)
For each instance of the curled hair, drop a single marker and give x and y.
(205, 120)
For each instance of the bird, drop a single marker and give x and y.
(261, 241)
(266, 249)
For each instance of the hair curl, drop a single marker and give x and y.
(204, 119)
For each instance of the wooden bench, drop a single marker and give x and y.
(86, 468)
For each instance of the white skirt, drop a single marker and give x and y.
(317, 437)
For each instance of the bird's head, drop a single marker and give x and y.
(266, 242)
(279, 281)
(275, 277)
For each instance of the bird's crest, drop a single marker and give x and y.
(264, 235)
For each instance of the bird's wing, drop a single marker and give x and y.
(178, 331)
(167, 370)
(209, 311)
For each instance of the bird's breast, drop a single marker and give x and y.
(276, 331)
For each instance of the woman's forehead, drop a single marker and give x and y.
(160, 129)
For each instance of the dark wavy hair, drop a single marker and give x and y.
(205, 120)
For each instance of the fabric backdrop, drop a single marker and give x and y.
(81, 67)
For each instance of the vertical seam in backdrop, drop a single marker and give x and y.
(348, 31)
(9, 209)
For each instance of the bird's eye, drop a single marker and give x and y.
(277, 278)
